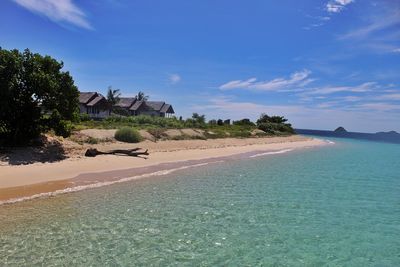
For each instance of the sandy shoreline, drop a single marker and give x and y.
(27, 180)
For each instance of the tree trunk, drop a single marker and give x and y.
(93, 152)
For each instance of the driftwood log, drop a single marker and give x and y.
(93, 152)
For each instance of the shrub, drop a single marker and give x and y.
(128, 134)
(84, 117)
(63, 128)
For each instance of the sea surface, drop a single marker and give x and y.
(337, 205)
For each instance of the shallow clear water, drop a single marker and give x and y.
(335, 206)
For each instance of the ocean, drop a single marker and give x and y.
(336, 205)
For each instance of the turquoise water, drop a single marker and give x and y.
(332, 206)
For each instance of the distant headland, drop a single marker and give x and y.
(341, 132)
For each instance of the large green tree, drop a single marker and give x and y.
(32, 87)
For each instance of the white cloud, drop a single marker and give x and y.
(299, 79)
(174, 78)
(57, 10)
(389, 97)
(396, 50)
(336, 6)
(378, 106)
(376, 24)
(224, 106)
(365, 87)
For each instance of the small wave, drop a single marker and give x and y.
(101, 184)
(330, 142)
(271, 153)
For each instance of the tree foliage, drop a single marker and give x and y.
(244, 122)
(31, 87)
(113, 97)
(141, 96)
(274, 124)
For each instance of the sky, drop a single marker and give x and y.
(321, 64)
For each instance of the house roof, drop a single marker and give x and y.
(125, 102)
(154, 105)
(167, 108)
(96, 100)
(136, 105)
(85, 97)
(159, 106)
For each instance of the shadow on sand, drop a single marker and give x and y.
(49, 152)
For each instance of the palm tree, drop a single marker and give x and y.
(141, 96)
(112, 97)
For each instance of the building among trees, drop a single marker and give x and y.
(97, 106)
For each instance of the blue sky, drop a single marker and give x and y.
(322, 64)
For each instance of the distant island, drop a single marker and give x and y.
(341, 132)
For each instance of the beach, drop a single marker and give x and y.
(18, 181)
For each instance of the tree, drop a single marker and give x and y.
(32, 87)
(112, 97)
(244, 122)
(263, 118)
(274, 124)
(141, 96)
(200, 119)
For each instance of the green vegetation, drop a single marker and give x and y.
(128, 134)
(157, 126)
(274, 125)
(35, 96)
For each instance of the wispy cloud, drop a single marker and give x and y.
(174, 78)
(396, 50)
(318, 21)
(296, 79)
(60, 11)
(365, 87)
(378, 106)
(380, 34)
(336, 6)
(375, 24)
(393, 97)
(331, 7)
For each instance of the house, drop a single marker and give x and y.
(96, 106)
(93, 104)
(123, 105)
(152, 108)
